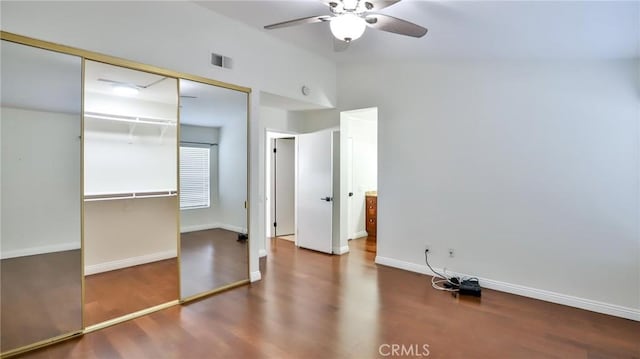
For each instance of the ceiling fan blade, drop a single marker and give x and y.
(339, 45)
(395, 25)
(302, 21)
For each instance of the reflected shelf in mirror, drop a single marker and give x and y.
(131, 119)
(131, 195)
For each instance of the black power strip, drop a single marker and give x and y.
(470, 287)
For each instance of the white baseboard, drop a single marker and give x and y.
(32, 251)
(262, 253)
(232, 228)
(128, 262)
(255, 276)
(199, 227)
(359, 234)
(548, 296)
(204, 227)
(340, 250)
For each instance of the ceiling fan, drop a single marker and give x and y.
(350, 18)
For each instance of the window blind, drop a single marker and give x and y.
(194, 177)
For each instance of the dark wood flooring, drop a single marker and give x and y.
(40, 297)
(211, 259)
(311, 305)
(123, 291)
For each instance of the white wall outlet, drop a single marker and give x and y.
(427, 248)
(452, 252)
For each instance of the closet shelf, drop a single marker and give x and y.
(131, 195)
(130, 119)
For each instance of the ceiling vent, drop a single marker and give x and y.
(221, 61)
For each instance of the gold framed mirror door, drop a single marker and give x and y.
(103, 217)
(130, 191)
(40, 243)
(213, 189)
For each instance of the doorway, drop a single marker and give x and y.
(359, 179)
(280, 176)
(354, 182)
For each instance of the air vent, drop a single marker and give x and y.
(221, 61)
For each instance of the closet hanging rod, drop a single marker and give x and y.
(130, 119)
(132, 195)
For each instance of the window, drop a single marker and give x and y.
(194, 177)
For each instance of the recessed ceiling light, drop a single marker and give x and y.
(125, 90)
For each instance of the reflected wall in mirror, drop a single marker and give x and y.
(213, 187)
(130, 185)
(40, 122)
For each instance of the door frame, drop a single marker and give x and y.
(269, 135)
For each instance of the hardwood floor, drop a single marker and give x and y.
(211, 259)
(312, 305)
(115, 293)
(371, 244)
(40, 297)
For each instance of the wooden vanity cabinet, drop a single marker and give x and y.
(371, 215)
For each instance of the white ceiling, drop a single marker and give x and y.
(463, 29)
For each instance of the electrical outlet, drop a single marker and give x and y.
(452, 252)
(427, 248)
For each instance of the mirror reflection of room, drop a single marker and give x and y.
(130, 191)
(213, 187)
(40, 122)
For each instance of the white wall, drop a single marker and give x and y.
(316, 120)
(125, 106)
(40, 182)
(529, 170)
(116, 162)
(203, 218)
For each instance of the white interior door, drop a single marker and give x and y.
(284, 186)
(315, 191)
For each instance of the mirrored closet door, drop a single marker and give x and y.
(213, 188)
(130, 191)
(40, 241)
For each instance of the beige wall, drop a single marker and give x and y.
(126, 232)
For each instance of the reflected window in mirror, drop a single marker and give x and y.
(213, 243)
(195, 176)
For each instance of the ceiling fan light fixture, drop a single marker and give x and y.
(347, 27)
(350, 4)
